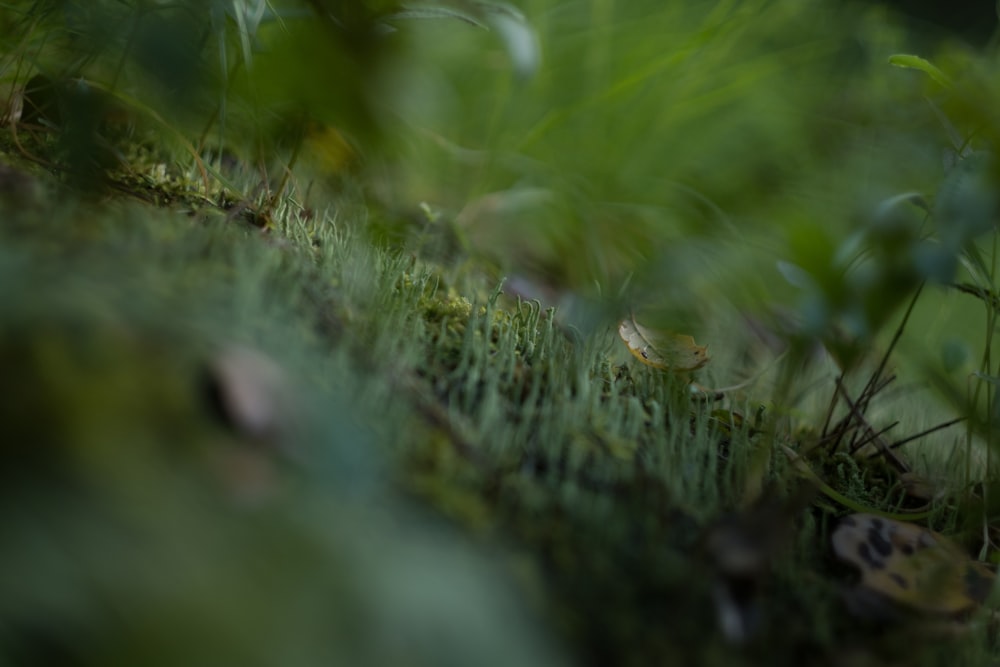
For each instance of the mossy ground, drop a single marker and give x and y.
(262, 407)
(428, 419)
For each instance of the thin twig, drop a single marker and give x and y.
(883, 448)
(865, 399)
(829, 413)
(873, 380)
(985, 295)
(923, 433)
(872, 437)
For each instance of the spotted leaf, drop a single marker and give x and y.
(911, 564)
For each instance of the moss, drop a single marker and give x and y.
(421, 397)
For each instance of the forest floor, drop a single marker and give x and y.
(239, 423)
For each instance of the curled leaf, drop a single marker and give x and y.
(911, 565)
(665, 350)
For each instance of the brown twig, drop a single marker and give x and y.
(883, 448)
(873, 380)
(864, 400)
(902, 442)
(872, 437)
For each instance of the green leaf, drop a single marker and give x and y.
(967, 203)
(916, 62)
(519, 38)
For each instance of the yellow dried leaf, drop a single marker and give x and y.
(665, 350)
(911, 564)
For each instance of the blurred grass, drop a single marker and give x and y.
(642, 129)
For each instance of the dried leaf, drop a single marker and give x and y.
(662, 349)
(911, 565)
